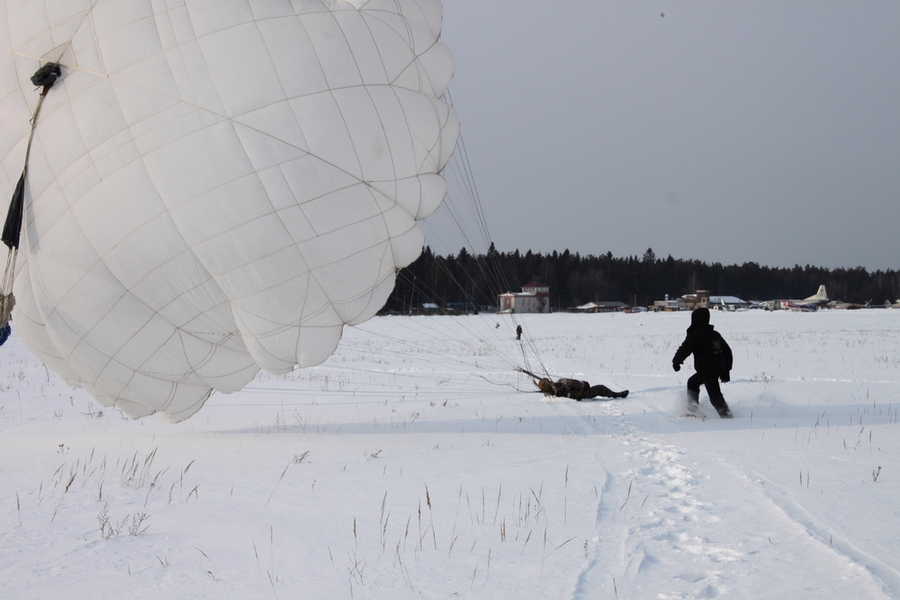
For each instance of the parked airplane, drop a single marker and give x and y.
(840, 304)
(811, 303)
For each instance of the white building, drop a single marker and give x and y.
(522, 302)
(534, 298)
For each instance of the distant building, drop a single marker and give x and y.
(541, 292)
(728, 303)
(699, 299)
(668, 305)
(601, 307)
(534, 298)
(462, 308)
(537, 288)
(523, 302)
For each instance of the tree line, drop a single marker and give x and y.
(576, 279)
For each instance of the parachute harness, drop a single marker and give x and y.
(44, 78)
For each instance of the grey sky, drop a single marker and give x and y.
(723, 131)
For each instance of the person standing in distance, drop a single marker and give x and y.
(712, 360)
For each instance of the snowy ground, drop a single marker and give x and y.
(416, 463)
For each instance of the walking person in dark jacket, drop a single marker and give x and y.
(712, 360)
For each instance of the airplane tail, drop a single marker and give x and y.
(820, 295)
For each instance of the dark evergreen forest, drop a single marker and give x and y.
(575, 279)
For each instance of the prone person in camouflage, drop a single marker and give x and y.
(577, 390)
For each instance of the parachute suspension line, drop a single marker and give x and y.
(44, 78)
(468, 217)
(534, 352)
(470, 349)
(494, 277)
(468, 178)
(474, 346)
(525, 352)
(468, 341)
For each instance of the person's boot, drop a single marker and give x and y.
(691, 403)
(693, 397)
(724, 411)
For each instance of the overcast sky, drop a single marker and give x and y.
(724, 131)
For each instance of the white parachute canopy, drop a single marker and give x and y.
(216, 186)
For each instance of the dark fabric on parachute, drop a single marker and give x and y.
(46, 76)
(12, 229)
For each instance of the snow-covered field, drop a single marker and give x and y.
(417, 463)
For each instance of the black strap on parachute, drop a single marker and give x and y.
(44, 78)
(12, 228)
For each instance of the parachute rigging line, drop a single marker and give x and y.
(44, 78)
(467, 215)
(473, 353)
(490, 267)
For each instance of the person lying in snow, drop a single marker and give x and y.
(577, 390)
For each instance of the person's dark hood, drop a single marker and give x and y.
(699, 318)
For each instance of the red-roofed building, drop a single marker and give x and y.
(534, 298)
